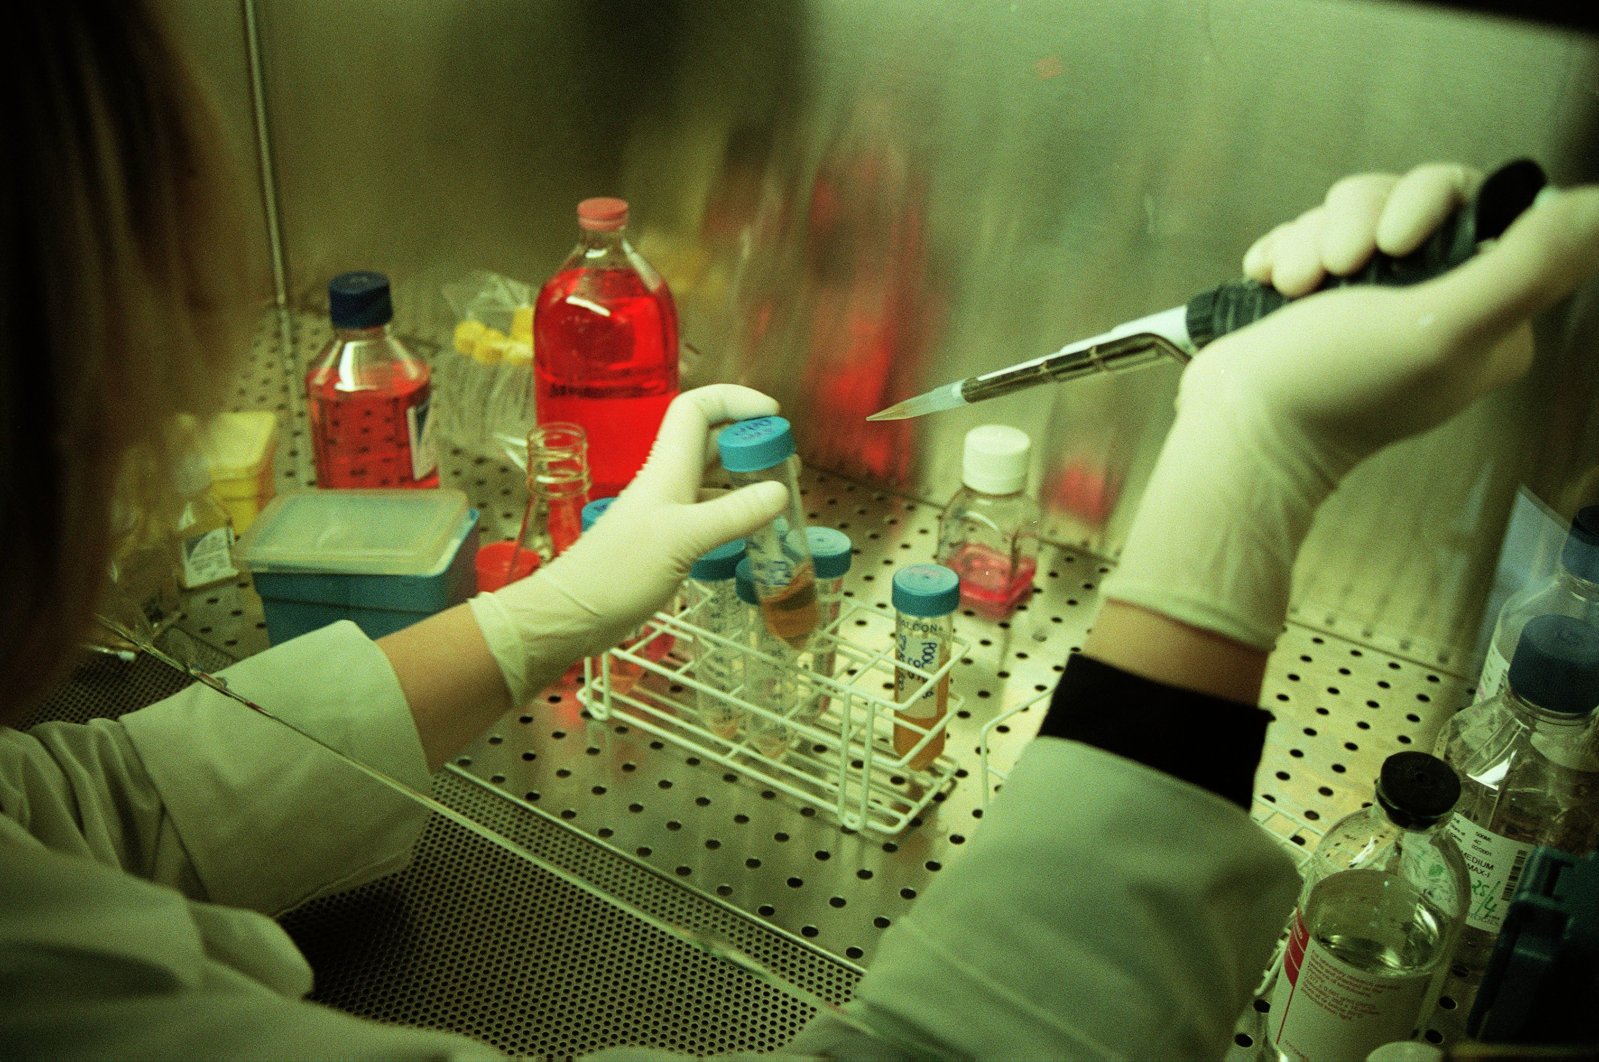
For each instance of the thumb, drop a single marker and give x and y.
(708, 524)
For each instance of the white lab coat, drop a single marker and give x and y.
(1104, 909)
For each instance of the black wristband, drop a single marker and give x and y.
(1209, 741)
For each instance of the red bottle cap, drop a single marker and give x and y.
(602, 214)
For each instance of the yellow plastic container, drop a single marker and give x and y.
(239, 448)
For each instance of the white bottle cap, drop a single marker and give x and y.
(996, 459)
(192, 475)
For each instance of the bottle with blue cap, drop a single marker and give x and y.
(755, 451)
(368, 396)
(1573, 590)
(713, 606)
(1529, 771)
(771, 676)
(925, 597)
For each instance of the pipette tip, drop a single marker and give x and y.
(942, 398)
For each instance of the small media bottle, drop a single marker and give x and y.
(605, 346)
(558, 484)
(715, 608)
(1369, 941)
(988, 533)
(771, 678)
(368, 396)
(925, 596)
(754, 451)
(1529, 772)
(203, 531)
(1573, 590)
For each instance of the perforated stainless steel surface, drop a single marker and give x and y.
(473, 940)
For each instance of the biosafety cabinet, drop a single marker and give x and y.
(852, 203)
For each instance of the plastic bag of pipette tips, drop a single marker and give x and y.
(483, 373)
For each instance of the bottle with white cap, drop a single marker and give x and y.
(204, 530)
(988, 533)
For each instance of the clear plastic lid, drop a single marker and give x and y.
(364, 532)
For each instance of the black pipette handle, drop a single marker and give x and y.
(1507, 192)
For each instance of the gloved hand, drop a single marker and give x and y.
(628, 564)
(1271, 417)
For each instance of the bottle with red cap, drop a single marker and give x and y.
(605, 352)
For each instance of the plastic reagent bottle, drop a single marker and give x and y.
(770, 675)
(924, 597)
(1573, 590)
(204, 531)
(716, 609)
(754, 451)
(1528, 770)
(1368, 944)
(368, 396)
(988, 533)
(605, 345)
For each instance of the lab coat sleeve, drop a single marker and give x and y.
(199, 792)
(1103, 910)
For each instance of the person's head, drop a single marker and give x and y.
(122, 298)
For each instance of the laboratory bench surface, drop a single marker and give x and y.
(546, 914)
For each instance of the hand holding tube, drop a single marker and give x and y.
(1270, 418)
(629, 562)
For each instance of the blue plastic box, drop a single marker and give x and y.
(299, 596)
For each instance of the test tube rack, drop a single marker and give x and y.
(840, 757)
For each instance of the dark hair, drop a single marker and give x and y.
(122, 295)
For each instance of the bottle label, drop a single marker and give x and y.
(424, 452)
(1494, 865)
(206, 558)
(918, 643)
(1325, 1007)
(1495, 669)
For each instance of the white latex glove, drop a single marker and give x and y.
(1271, 417)
(631, 561)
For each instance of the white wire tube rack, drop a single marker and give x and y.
(839, 756)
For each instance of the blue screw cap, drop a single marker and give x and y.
(744, 582)
(1556, 665)
(755, 445)
(926, 590)
(719, 564)
(359, 300)
(1581, 552)
(832, 551)
(593, 511)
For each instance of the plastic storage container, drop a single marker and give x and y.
(605, 346)
(239, 448)
(382, 558)
(988, 533)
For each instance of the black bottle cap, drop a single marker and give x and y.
(1580, 555)
(359, 300)
(1416, 789)
(1556, 665)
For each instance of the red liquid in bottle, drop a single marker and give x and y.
(606, 358)
(363, 438)
(990, 587)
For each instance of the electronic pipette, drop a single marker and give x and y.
(1180, 332)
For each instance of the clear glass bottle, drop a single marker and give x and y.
(1573, 590)
(715, 608)
(558, 485)
(988, 533)
(754, 451)
(605, 345)
(203, 530)
(1369, 941)
(771, 676)
(1528, 770)
(925, 597)
(368, 396)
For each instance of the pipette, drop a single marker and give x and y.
(1179, 333)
